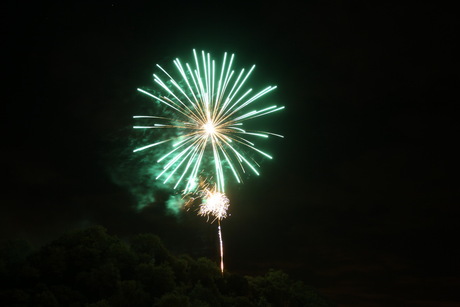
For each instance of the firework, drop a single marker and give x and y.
(214, 204)
(209, 107)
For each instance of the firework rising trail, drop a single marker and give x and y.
(221, 244)
(209, 106)
(215, 204)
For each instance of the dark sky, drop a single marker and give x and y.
(360, 200)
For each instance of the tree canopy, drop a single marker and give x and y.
(94, 269)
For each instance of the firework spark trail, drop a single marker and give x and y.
(209, 114)
(215, 204)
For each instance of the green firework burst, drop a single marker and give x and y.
(207, 107)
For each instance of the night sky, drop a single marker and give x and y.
(361, 198)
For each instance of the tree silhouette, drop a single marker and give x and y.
(92, 268)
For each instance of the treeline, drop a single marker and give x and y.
(94, 269)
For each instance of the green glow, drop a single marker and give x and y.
(177, 146)
(208, 107)
(175, 204)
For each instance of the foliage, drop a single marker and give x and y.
(92, 268)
